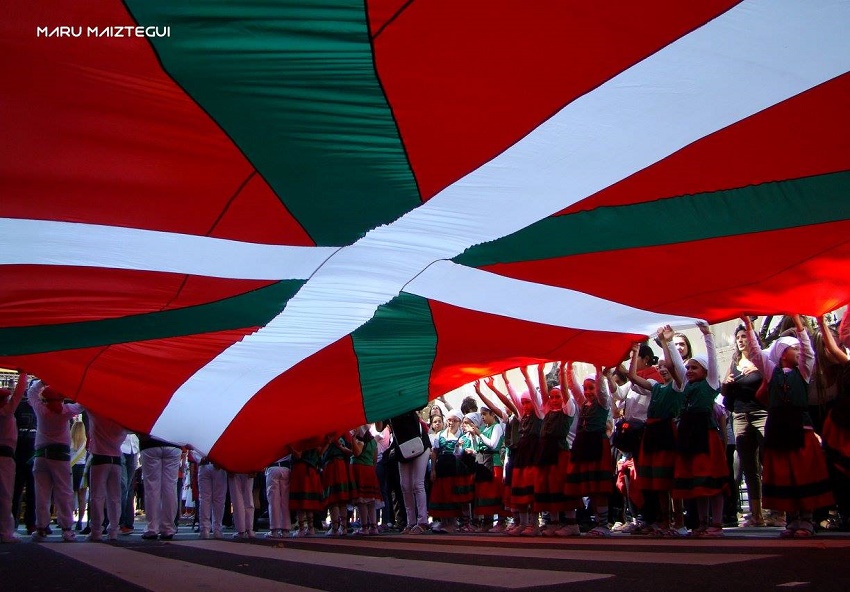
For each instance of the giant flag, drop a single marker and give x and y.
(241, 224)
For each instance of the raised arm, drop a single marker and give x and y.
(18, 394)
(807, 354)
(671, 354)
(534, 393)
(486, 400)
(835, 352)
(754, 352)
(603, 395)
(511, 400)
(573, 385)
(637, 381)
(712, 377)
(844, 330)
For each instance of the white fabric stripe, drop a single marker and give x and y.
(45, 242)
(755, 55)
(487, 292)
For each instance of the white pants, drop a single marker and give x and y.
(412, 476)
(7, 484)
(212, 490)
(277, 490)
(160, 465)
(53, 479)
(242, 498)
(105, 492)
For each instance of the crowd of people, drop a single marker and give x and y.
(661, 440)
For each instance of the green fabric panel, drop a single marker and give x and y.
(758, 208)
(294, 85)
(254, 308)
(395, 352)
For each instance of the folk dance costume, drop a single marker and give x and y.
(8, 440)
(105, 440)
(552, 461)
(365, 488)
(336, 482)
(489, 488)
(836, 432)
(657, 457)
(591, 466)
(306, 494)
(52, 463)
(795, 476)
(452, 485)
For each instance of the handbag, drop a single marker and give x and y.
(628, 434)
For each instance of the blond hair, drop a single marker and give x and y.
(78, 435)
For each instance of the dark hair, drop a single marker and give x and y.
(690, 352)
(646, 352)
(468, 405)
(736, 355)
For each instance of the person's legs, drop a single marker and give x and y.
(170, 467)
(97, 500)
(152, 477)
(43, 491)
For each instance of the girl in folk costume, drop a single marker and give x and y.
(836, 426)
(552, 458)
(523, 472)
(657, 456)
(489, 482)
(469, 458)
(52, 464)
(591, 466)
(795, 477)
(511, 422)
(306, 491)
(365, 488)
(451, 484)
(336, 480)
(8, 441)
(701, 472)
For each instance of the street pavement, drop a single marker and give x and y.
(747, 559)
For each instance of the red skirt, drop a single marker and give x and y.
(489, 494)
(591, 477)
(836, 441)
(549, 495)
(305, 489)
(656, 469)
(796, 480)
(523, 480)
(701, 475)
(336, 482)
(364, 484)
(448, 494)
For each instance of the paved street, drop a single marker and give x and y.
(748, 560)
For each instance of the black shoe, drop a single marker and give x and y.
(86, 530)
(166, 537)
(78, 527)
(150, 536)
(47, 530)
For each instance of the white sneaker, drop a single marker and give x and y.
(38, 536)
(69, 536)
(530, 531)
(204, 534)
